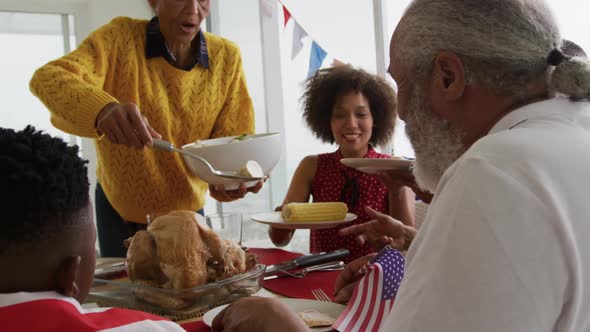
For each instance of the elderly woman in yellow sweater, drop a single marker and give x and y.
(134, 80)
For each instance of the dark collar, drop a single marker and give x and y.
(155, 46)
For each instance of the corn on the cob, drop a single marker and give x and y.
(329, 211)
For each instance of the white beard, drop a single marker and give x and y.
(435, 144)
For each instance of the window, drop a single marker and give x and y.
(347, 37)
(30, 40)
(239, 21)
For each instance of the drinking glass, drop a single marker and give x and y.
(227, 225)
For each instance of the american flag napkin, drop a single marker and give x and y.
(372, 298)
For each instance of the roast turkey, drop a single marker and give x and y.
(179, 251)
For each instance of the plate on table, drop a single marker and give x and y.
(372, 165)
(298, 305)
(275, 219)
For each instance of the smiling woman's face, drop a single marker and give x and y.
(352, 123)
(180, 20)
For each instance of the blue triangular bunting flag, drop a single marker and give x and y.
(316, 58)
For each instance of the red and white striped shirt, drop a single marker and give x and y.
(50, 311)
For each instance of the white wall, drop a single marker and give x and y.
(343, 28)
(572, 17)
(239, 22)
(102, 11)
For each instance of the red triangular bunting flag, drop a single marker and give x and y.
(286, 14)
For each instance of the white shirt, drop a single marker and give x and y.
(505, 243)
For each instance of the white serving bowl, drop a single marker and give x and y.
(265, 149)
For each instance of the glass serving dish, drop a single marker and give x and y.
(114, 289)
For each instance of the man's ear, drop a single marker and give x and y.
(448, 76)
(66, 276)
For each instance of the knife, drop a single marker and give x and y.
(307, 260)
(330, 266)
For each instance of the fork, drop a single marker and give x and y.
(320, 295)
(330, 266)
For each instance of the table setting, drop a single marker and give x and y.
(313, 286)
(187, 267)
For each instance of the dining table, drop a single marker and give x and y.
(313, 286)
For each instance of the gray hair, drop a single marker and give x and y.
(504, 44)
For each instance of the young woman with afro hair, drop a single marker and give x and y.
(356, 111)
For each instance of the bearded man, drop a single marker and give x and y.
(483, 88)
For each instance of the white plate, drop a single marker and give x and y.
(274, 219)
(373, 165)
(329, 308)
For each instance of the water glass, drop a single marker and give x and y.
(227, 225)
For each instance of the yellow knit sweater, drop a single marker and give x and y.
(183, 106)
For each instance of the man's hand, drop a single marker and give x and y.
(124, 124)
(396, 179)
(382, 231)
(280, 237)
(348, 278)
(222, 195)
(260, 314)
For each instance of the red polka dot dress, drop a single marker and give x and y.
(334, 182)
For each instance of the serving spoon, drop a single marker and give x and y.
(167, 146)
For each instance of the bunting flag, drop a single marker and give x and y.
(317, 54)
(316, 58)
(298, 35)
(287, 16)
(372, 298)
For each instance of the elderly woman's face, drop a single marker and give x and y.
(180, 20)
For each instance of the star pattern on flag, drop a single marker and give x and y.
(392, 262)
